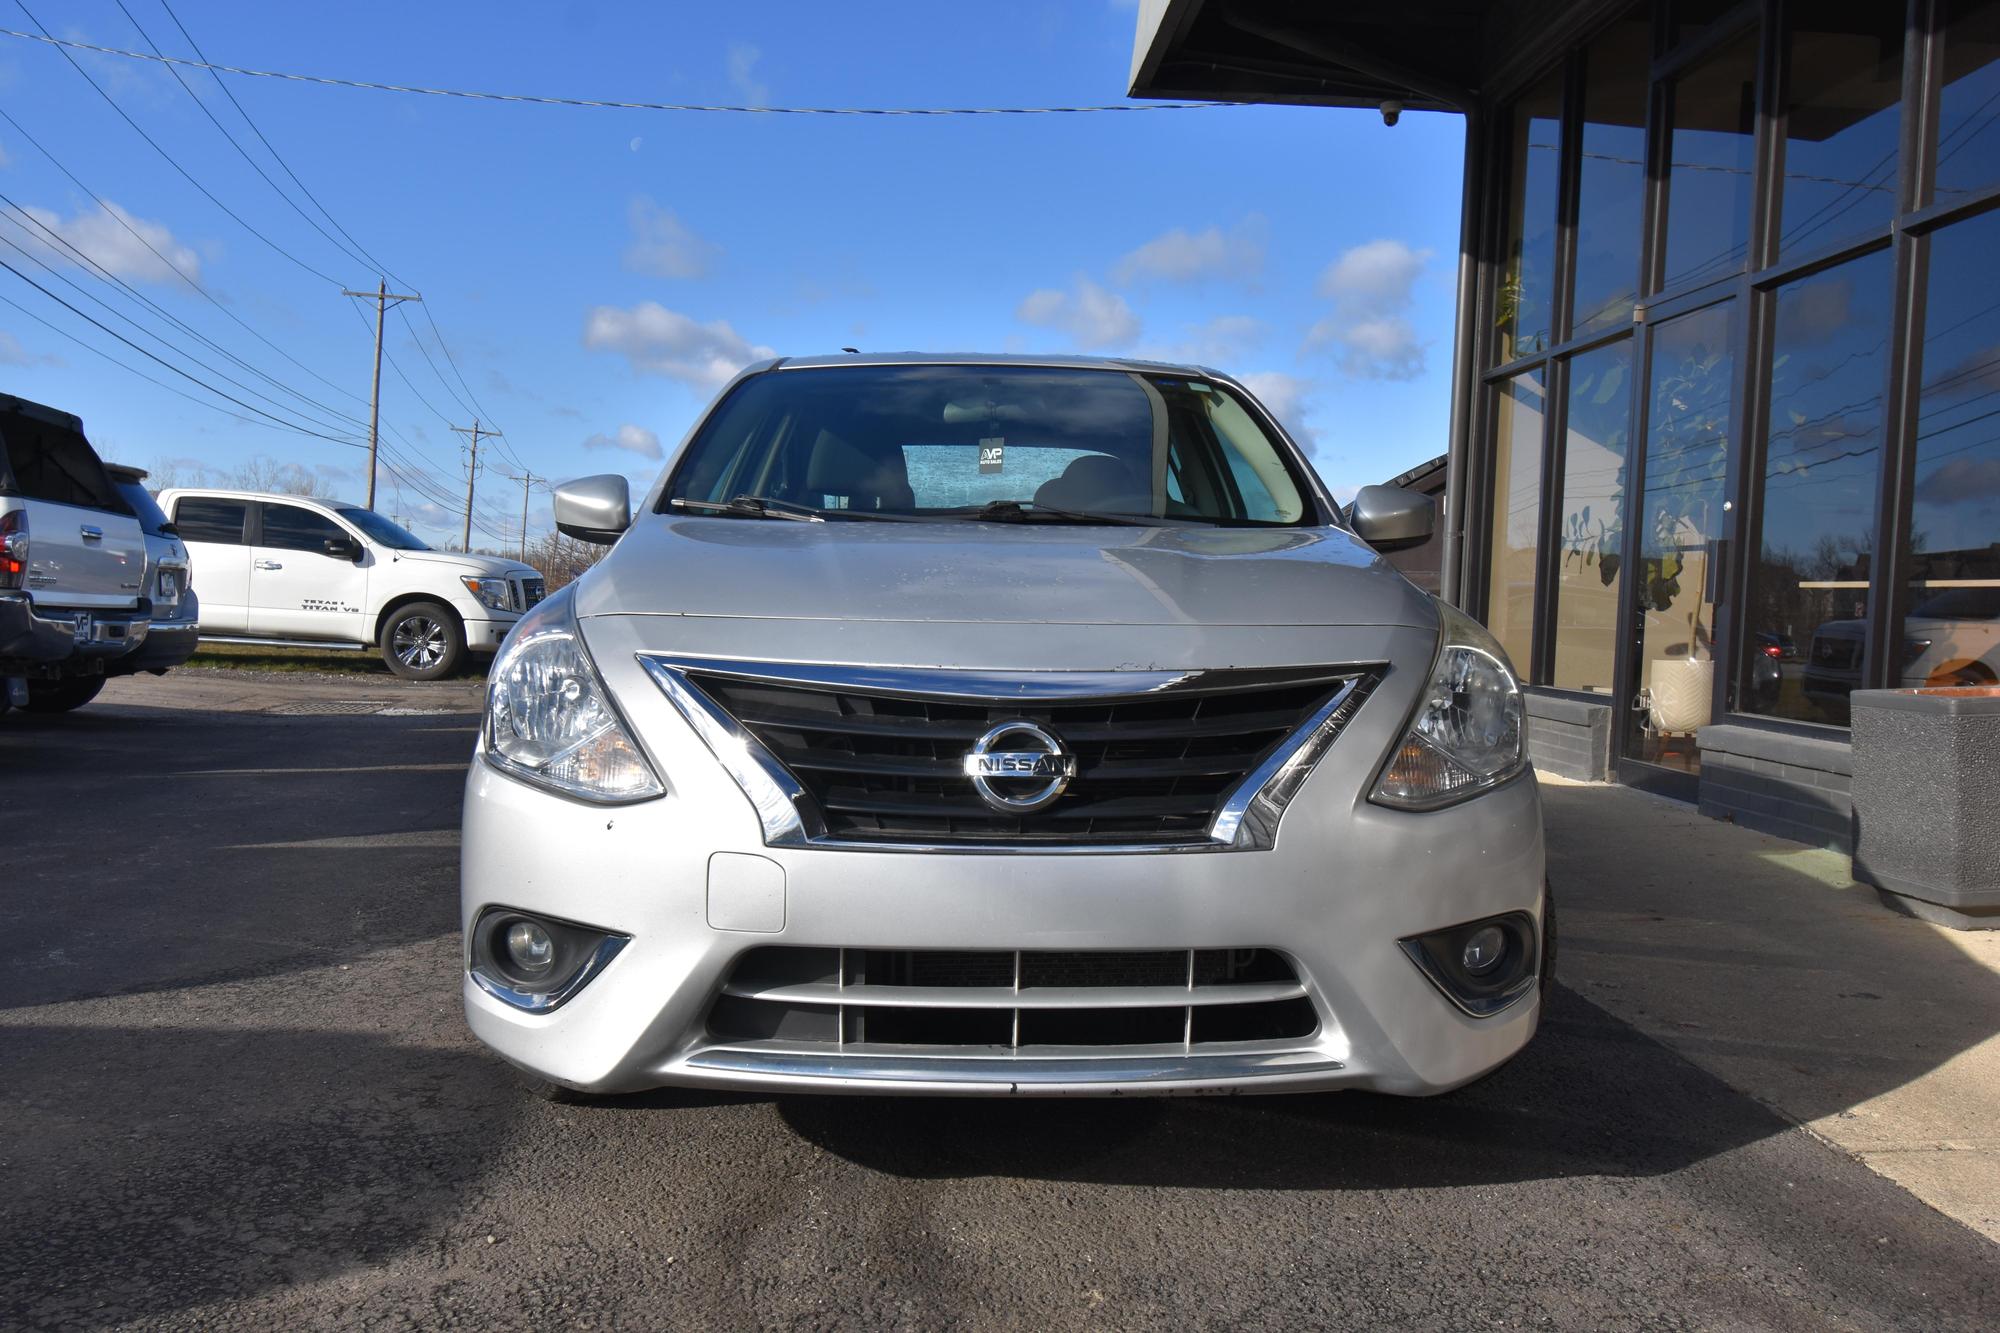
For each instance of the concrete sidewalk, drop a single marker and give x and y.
(1763, 962)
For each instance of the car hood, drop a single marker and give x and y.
(497, 566)
(995, 573)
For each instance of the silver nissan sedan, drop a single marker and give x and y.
(1016, 725)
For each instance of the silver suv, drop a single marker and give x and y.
(73, 563)
(1000, 725)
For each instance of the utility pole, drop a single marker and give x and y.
(527, 484)
(472, 470)
(383, 299)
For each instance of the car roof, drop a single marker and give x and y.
(1056, 361)
(276, 497)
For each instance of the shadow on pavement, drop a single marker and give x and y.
(153, 1169)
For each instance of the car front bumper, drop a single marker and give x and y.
(1346, 882)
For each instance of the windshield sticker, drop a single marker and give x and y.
(992, 453)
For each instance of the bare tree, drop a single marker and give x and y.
(562, 559)
(267, 474)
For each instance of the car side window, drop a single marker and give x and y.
(290, 528)
(204, 520)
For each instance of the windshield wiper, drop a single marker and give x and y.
(752, 506)
(1026, 511)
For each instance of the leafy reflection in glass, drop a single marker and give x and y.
(1592, 531)
(1951, 635)
(1517, 471)
(1680, 526)
(1807, 602)
(1524, 303)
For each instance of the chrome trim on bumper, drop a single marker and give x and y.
(1016, 1073)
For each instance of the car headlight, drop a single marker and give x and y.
(1468, 733)
(550, 721)
(491, 593)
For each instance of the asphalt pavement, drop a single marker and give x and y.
(237, 1091)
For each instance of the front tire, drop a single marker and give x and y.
(423, 641)
(62, 696)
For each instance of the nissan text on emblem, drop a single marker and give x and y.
(1019, 767)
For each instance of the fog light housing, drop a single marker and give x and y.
(1482, 966)
(535, 962)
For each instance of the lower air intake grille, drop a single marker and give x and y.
(1015, 1002)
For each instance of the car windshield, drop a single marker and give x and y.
(380, 530)
(992, 442)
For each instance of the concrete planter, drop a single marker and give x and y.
(1927, 802)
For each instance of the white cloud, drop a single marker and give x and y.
(1285, 397)
(665, 246)
(743, 59)
(659, 341)
(632, 439)
(1221, 342)
(107, 236)
(1089, 314)
(1372, 287)
(1183, 256)
(13, 354)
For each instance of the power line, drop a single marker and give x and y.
(608, 105)
(118, 215)
(168, 364)
(169, 157)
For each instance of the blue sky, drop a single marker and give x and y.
(596, 273)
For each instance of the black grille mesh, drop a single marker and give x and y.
(883, 767)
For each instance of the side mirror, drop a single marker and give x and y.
(342, 548)
(594, 509)
(1390, 518)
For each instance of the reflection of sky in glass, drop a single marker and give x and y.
(1968, 155)
(1531, 251)
(1824, 445)
(1708, 200)
(1958, 430)
(1841, 149)
(1687, 432)
(1611, 188)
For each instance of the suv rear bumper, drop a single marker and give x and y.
(167, 644)
(43, 641)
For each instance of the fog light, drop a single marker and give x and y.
(1483, 950)
(530, 948)
(536, 962)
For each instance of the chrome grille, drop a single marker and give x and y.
(1155, 764)
(1012, 1003)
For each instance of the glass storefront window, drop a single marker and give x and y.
(1806, 606)
(1592, 532)
(1709, 173)
(1843, 118)
(1517, 486)
(1951, 631)
(1611, 186)
(1524, 304)
(1968, 153)
(1680, 521)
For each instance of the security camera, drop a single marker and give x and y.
(1391, 112)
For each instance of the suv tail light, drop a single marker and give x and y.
(14, 549)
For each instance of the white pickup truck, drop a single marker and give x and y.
(284, 569)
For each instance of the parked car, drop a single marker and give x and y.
(285, 569)
(1950, 637)
(1000, 725)
(72, 562)
(176, 629)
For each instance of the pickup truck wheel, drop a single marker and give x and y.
(60, 696)
(423, 641)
